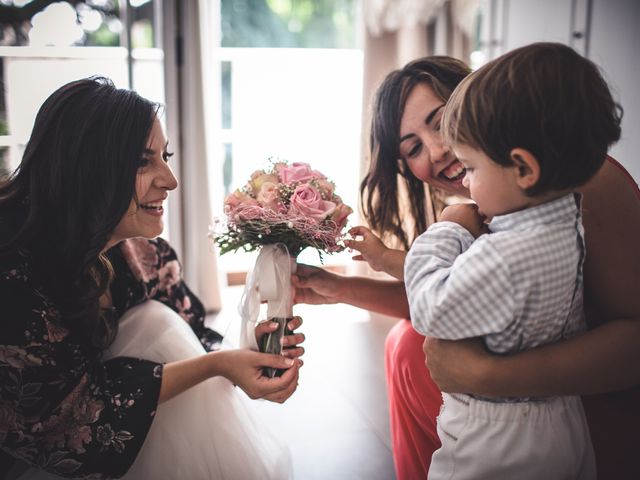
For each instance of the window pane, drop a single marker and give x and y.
(225, 98)
(288, 23)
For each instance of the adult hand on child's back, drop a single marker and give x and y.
(371, 249)
(467, 216)
(457, 365)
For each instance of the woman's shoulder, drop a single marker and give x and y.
(150, 263)
(611, 218)
(611, 184)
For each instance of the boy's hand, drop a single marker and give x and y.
(370, 247)
(376, 254)
(467, 216)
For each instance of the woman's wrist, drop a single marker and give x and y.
(344, 289)
(393, 263)
(217, 364)
(181, 375)
(483, 375)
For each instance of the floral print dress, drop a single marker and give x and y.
(61, 407)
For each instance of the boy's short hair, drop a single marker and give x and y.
(545, 98)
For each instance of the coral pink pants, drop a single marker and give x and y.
(414, 403)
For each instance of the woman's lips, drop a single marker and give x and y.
(454, 171)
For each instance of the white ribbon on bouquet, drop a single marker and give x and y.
(269, 280)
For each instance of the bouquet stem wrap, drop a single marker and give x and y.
(270, 281)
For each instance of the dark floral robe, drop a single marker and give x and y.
(63, 409)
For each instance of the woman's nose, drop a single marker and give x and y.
(166, 179)
(438, 151)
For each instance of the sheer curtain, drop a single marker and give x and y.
(189, 36)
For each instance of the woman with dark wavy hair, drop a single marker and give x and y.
(602, 365)
(99, 331)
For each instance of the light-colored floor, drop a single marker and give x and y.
(336, 424)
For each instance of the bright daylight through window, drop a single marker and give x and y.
(291, 79)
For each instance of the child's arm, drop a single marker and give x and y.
(457, 288)
(376, 254)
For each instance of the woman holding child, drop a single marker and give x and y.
(406, 140)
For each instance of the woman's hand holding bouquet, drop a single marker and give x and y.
(281, 211)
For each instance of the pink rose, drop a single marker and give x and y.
(268, 194)
(237, 198)
(308, 202)
(296, 172)
(340, 215)
(249, 211)
(259, 178)
(326, 187)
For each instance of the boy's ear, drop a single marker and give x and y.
(527, 167)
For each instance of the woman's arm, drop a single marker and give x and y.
(242, 367)
(317, 286)
(604, 359)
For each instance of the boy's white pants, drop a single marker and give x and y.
(528, 440)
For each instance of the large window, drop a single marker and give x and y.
(291, 79)
(47, 44)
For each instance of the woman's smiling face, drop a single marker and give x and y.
(421, 142)
(153, 183)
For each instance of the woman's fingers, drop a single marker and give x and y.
(294, 352)
(285, 385)
(357, 244)
(295, 322)
(359, 230)
(291, 340)
(303, 270)
(276, 361)
(263, 328)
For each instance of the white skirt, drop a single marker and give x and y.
(206, 432)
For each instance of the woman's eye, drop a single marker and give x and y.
(144, 161)
(166, 156)
(413, 151)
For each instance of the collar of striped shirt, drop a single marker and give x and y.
(561, 210)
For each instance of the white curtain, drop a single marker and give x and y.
(191, 32)
(394, 15)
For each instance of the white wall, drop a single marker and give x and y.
(605, 31)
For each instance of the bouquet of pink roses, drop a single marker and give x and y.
(288, 204)
(281, 210)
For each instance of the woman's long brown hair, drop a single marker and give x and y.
(379, 190)
(74, 184)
